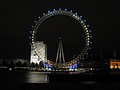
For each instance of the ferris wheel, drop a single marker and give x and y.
(69, 13)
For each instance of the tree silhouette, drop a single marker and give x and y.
(4, 63)
(41, 64)
(32, 65)
(24, 64)
(19, 64)
(36, 65)
(11, 65)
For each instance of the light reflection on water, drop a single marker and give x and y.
(23, 77)
(41, 77)
(37, 77)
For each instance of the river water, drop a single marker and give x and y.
(23, 77)
(19, 80)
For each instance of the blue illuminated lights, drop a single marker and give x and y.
(87, 25)
(89, 47)
(89, 30)
(90, 42)
(73, 66)
(80, 16)
(29, 37)
(30, 31)
(67, 13)
(84, 21)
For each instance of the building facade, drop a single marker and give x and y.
(42, 51)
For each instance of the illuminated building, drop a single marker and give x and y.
(114, 64)
(42, 49)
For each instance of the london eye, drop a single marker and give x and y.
(69, 13)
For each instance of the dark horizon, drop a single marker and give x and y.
(17, 17)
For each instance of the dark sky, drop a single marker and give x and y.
(17, 17)
(72, 33)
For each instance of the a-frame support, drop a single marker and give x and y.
(60, 53)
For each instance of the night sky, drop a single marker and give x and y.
(17, 17)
